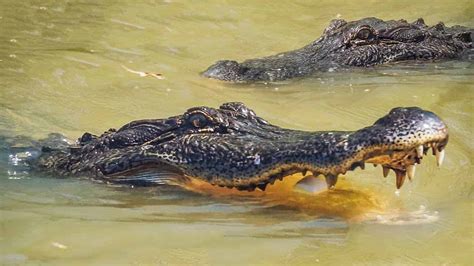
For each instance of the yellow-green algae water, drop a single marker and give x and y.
(60, 71)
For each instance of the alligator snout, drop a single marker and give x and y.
(407, 134)
(227, 70)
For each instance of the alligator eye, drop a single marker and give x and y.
(198, 120)
(365, 34)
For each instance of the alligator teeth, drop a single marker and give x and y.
(411, 171)
(385, 171)
(357, 164)
(418, 160)
(331, 180)
(434, 148)
(400, 178)
(419, 151)
(426, 149)
(439, 156)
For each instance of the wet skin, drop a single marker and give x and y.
(361, 43)
(232, 147)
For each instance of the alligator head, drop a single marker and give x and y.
(232, 147)
(361, 43)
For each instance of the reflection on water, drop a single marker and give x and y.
(347, 201)
(61, 71)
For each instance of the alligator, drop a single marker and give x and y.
(361, 43)
(232, 147)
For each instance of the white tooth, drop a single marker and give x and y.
(331, 180)
(439, 157)
(411, 171)
(419, 151)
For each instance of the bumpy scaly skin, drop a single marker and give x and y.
(233, 147)
(361, 43)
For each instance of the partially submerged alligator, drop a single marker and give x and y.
(232, 147)
(361, 43)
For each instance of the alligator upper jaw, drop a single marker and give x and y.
(402, 162)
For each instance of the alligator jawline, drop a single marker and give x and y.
(401, 162)
(149, 174)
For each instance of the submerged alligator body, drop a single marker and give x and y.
(361, 43)
(232, 147)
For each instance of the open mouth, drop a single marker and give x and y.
(403, 163)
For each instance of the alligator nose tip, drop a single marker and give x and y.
(223, 70)
(413, 113)
(413, 119)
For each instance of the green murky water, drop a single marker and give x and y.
(60, 71)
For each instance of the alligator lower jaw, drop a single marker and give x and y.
(402, 161)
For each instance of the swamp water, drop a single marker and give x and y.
(60, 71)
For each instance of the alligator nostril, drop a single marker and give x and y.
(440, 26)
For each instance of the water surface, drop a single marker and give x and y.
(60, 71)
